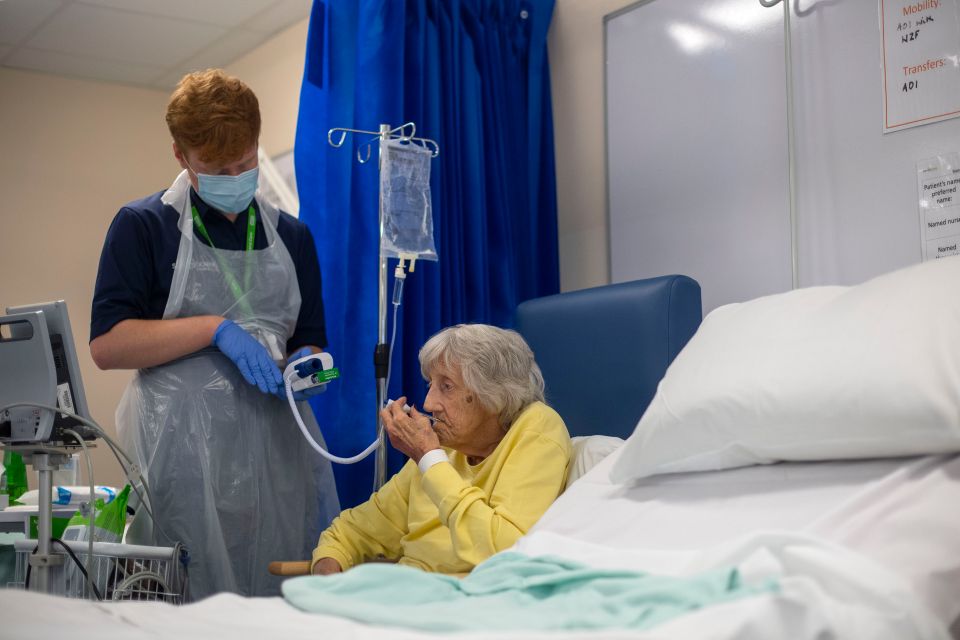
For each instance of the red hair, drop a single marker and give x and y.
(214, 114)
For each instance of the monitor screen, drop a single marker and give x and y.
(69, 392)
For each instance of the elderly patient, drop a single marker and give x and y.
(492, 461)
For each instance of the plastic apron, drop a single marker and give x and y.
(230, 474)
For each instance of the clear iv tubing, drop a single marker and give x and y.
(288, 381)
(397, 297)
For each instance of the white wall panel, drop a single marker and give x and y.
(697, 146)
(857, 194)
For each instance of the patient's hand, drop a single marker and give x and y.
(410, 433)
(326, 566)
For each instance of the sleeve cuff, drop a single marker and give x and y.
(327, 552)
(431, 458)
(443, 485)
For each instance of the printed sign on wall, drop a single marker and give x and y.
(938, 181)
(921, 61)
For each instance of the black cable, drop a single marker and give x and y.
(26, 582)
(183, 554)
(79, 564)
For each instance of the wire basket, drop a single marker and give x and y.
(119, 571)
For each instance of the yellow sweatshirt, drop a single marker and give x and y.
(457, 515)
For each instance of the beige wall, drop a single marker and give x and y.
(73, 152)
(274, 71)
(575, 45)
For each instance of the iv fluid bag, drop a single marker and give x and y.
(407, 208)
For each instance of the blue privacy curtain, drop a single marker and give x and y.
(472, 75)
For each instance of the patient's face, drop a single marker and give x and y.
(463, 423)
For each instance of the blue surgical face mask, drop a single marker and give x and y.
(230, 194)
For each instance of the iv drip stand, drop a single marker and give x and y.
(381, 353)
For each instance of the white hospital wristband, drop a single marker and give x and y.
(431, 458)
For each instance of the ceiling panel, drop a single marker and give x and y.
(80, 66)
(224, 13)
(123, 36)
(226, 49)
(143, 42)
(280, 16)
(168, 80)
(18, 18)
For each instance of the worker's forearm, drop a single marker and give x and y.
(137, 344)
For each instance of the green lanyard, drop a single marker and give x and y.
(251, 227)
(235, 288)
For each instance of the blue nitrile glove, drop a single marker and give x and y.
(251, 357)
(299, 396)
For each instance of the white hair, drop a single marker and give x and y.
(497, 366)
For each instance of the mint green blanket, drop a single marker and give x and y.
(513, 591)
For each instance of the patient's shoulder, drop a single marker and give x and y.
(541, 421)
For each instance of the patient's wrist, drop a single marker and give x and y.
(326, 566)
(430, 458)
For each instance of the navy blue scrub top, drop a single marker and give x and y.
(136, 265)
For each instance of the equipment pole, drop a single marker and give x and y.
(381, 354)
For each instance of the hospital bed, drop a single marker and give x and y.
(866, 545)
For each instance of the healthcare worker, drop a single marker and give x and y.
(205, 288)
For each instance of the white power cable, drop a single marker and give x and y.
(93, 506)
(290, 374)
(117, 451)
(126, 587)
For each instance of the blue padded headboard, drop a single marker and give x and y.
(604, 350)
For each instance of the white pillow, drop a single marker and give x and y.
(588, 451)
(814, 374)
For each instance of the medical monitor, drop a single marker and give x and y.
(38, 364)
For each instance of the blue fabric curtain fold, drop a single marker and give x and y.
(473, 75)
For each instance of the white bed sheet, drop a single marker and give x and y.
(903, 514)
(874, 535)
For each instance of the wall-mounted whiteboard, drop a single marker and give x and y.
(697, 147)
(857, 199)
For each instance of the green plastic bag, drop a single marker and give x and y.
(15, 473)
(107, 525)
(57, 527)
